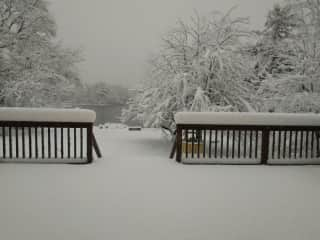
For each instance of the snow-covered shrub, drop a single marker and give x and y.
(200, 68)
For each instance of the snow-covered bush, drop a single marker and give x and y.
(200, 68)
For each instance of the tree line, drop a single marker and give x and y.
(36, 70)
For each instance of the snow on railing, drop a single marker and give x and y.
(248, 118)
(47, 115)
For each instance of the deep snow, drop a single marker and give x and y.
(136, 192)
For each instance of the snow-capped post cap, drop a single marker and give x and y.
(248, 118)
(47, 115)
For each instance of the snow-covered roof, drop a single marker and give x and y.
(248, 118)
(47, 115)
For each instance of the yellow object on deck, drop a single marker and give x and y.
(196, 147)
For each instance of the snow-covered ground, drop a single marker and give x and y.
(136, 192)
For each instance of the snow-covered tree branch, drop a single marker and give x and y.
(35, 70)
(200, 68)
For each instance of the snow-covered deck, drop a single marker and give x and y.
(137, 192)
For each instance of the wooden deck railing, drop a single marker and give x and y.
(68, 142)
(248, 144)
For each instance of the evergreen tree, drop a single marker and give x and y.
(275, 50)
(294, 89)
(280, 22)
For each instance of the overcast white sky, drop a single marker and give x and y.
(118, 36)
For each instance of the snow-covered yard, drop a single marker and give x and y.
(136, 192)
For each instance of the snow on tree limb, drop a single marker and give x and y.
(200, 67)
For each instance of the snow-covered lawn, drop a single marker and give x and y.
(136, 192)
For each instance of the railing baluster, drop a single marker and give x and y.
(216, 144)
(204, 142)
(4, 152)
(250, 145)
(221, 145)
(17, 141)
(61, 143)
(233, 142)
(10, 142)
(279, 144)
(239, 144)
(81, 142)
(290, 144)
(36, 141)
(23, 143)
(192, 144)
(257, 144)
(42, 142)
(49, 142)
(199, 142)
(186, 143)
(69, 144)
(312, 143)
(75, 142)
(307, 144)
(30, 142)
(55, 143)
(210, 144)
(273, 143)
(285, 144)
(295, 143)
(245, 144)
(318, 144)
(228, 138)
(301, 143)
(192, 147)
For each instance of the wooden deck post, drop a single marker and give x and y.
(173, 149)
(179, 144)
(265, 146)
(96, 147)
(89, 143)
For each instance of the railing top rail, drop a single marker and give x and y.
(247, 119)
(46, 115)
(248, 127)
(45, 124)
